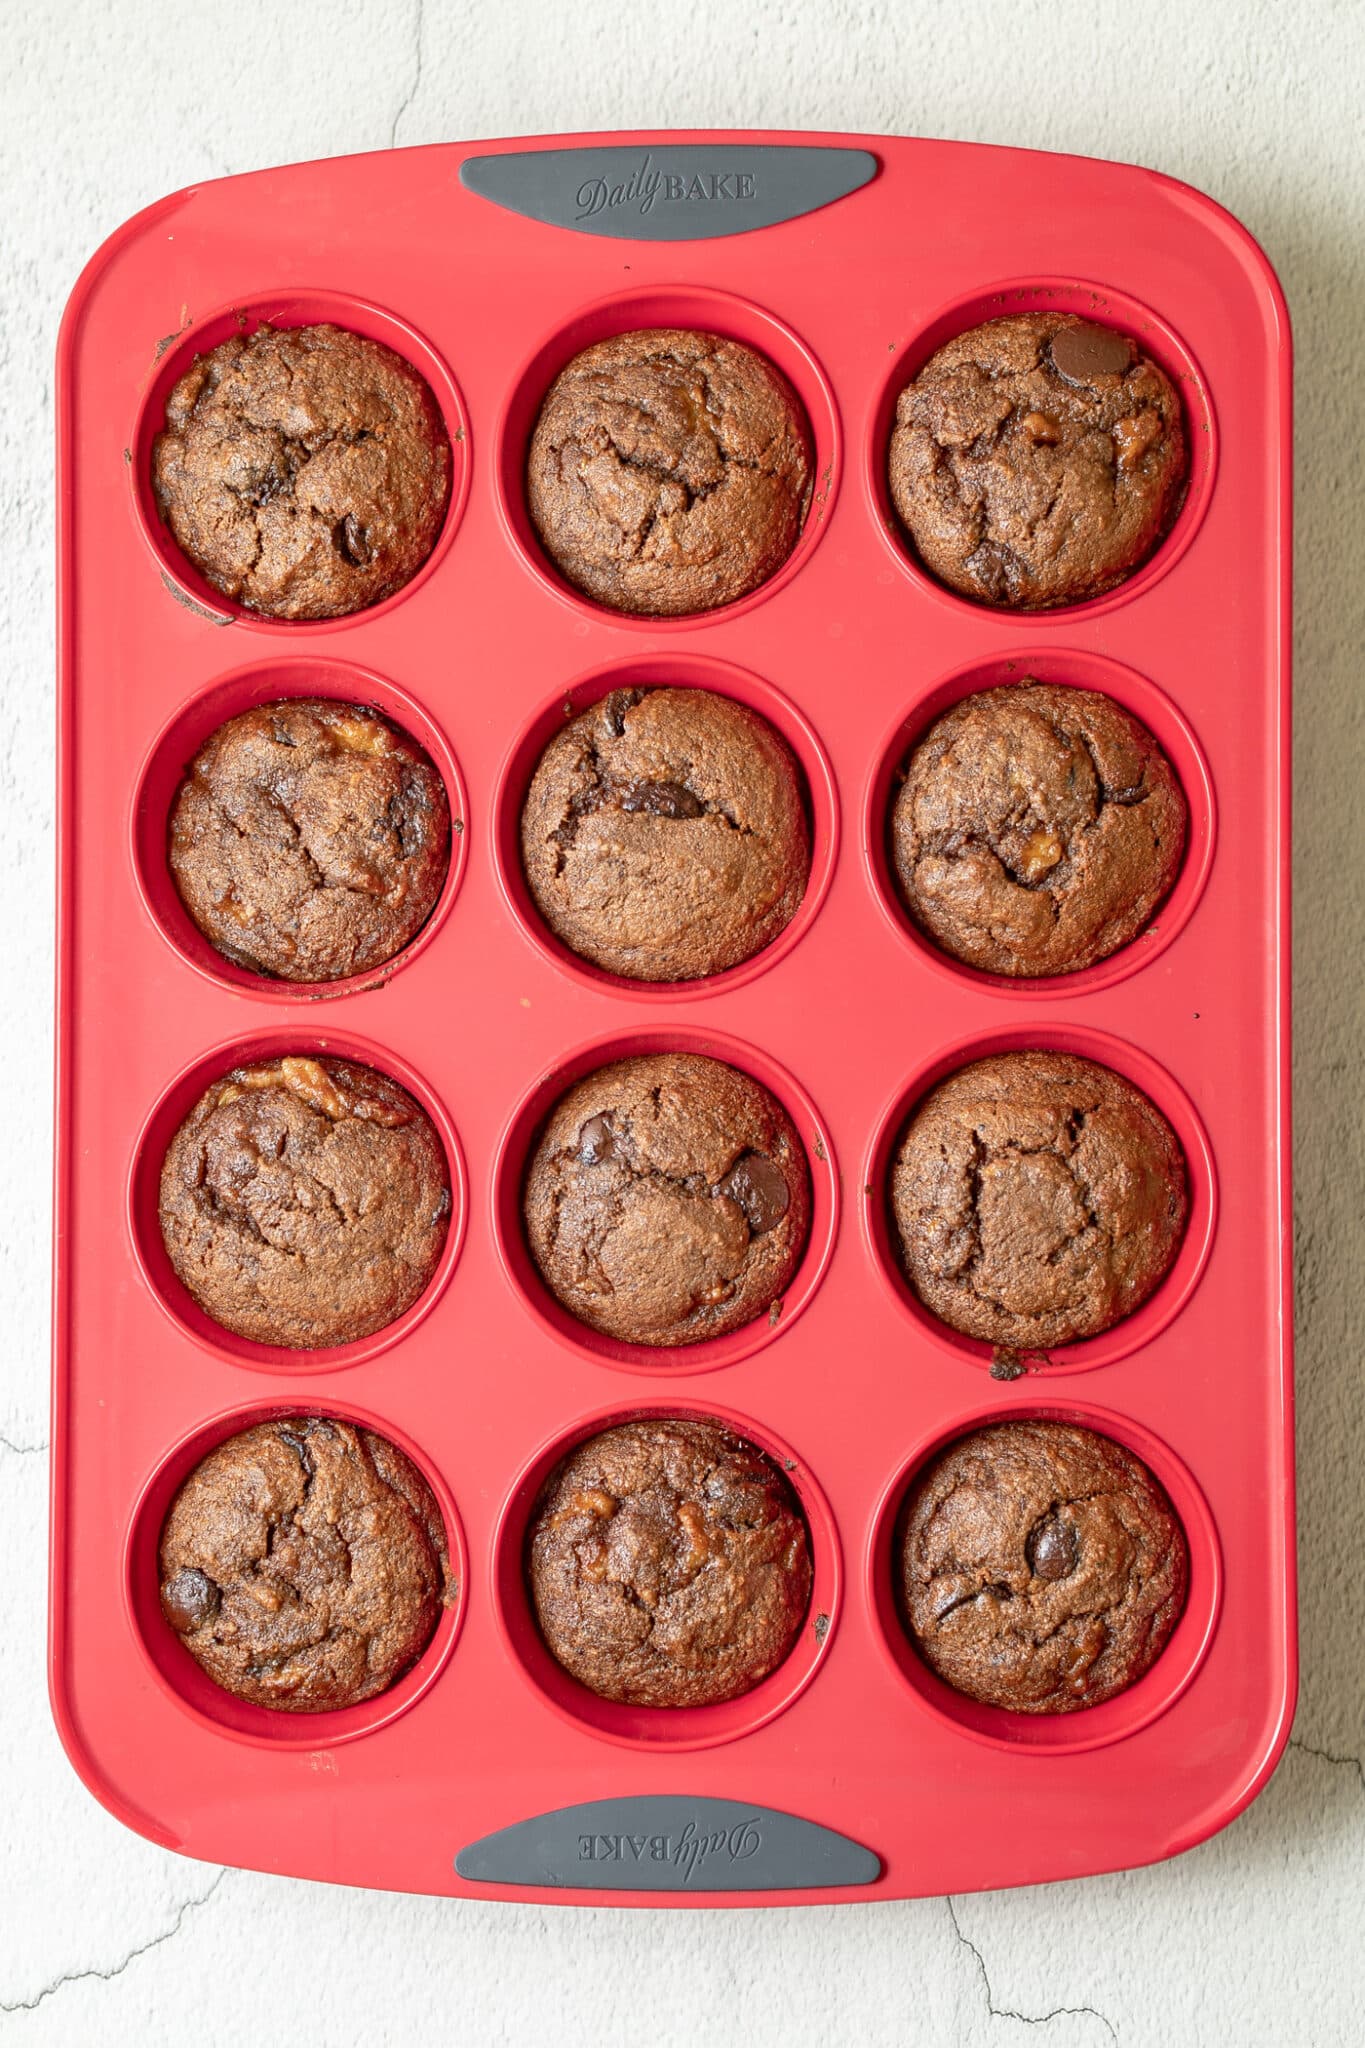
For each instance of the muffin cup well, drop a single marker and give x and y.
(650, 672)
(177, 1672)
(516, 1149)
(1076, 670)
(1106, 307)
(300, 306)
(1088, 1727)
(703, 309)
(663, 1728)
(144, 1189)
(164, 770)
(1168, 1298)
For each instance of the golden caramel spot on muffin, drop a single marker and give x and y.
(1042, 851)
(362, 735)
(693, 1520)
(1133, 437)
(593, 1502)
(312, 1085)
(1040, 428)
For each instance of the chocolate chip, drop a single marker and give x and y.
(352, 541)
(615, 707)
(596, 1141)
(1053, 1549)
(661, 800)
(760, 1188)
(1080, 354)
(189, 1600)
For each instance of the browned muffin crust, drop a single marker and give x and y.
(304, 1565)
(663, 836)
(305, 471)
(305, 1202)
(1037, 460)
(1039, 1198)
(1042, 1567)
(669, 1564)
(668, 1200)
(310, 839)
(1037, 829)
(669, 471)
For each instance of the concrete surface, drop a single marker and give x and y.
(1254, 1938)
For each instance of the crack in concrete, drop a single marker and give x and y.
(104, 1976)
(1330, 1756)
(1008, 2012)
(7, 1443)
(415, 87)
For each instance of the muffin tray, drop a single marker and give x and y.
(850, 1772)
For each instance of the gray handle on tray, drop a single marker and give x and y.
(668, 1843)
(669, 192)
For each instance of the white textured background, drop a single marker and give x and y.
(1256, 1938)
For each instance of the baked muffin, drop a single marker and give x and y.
(1037, 460)
(310, 839)
(304, 1565)
(668, 1200)
(1037, 829)
(1039, 1198)
(305, 471)
(1041, 1567)
(663, 836)
(669, 471)
(669, 1564)
(305, 1202)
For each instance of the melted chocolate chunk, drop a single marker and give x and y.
(1053, 1549)
(760, 1188)
(1080, 354)
(189, 1600)
(661, 800)
(596, 1141)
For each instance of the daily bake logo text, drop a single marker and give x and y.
(647, 183)
(686, 1852)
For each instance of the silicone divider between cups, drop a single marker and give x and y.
(658, 1729)
(516, 1148)
(164, 769)
(144, 1181)
(1168, 1298)
(650, 672)
(176, 1671)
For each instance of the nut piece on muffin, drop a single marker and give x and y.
(1041, 1567)
(1037, 460)
(1039, 1198)
(305, 471)
(1037, 829)
(669, 1564)
(664, 836)
(668, 1200)
(310, 839)
(304, 1565)
(669, 471)
(305, 1201)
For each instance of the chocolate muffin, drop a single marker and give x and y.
(669, 471)
(305, 1202)
(668, 1200)
(1042, 1568)
(304, 1565)
(1037, 460)
(1037, 829)
(1039, 1198)
(663, 835)
(310, 839)
(305, 471)
(669, 1565)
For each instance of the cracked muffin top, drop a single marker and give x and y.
(304, 1565)
(663, 836)
(1037, 829)
(669, 471)
(310, 839)
(1039, 1199)
(1042, 1567)
(305, 471)
(668, 1200)
(1037, 460)
(305, 1202)
(669, 1564)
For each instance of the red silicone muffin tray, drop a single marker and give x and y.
(850, 1772)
